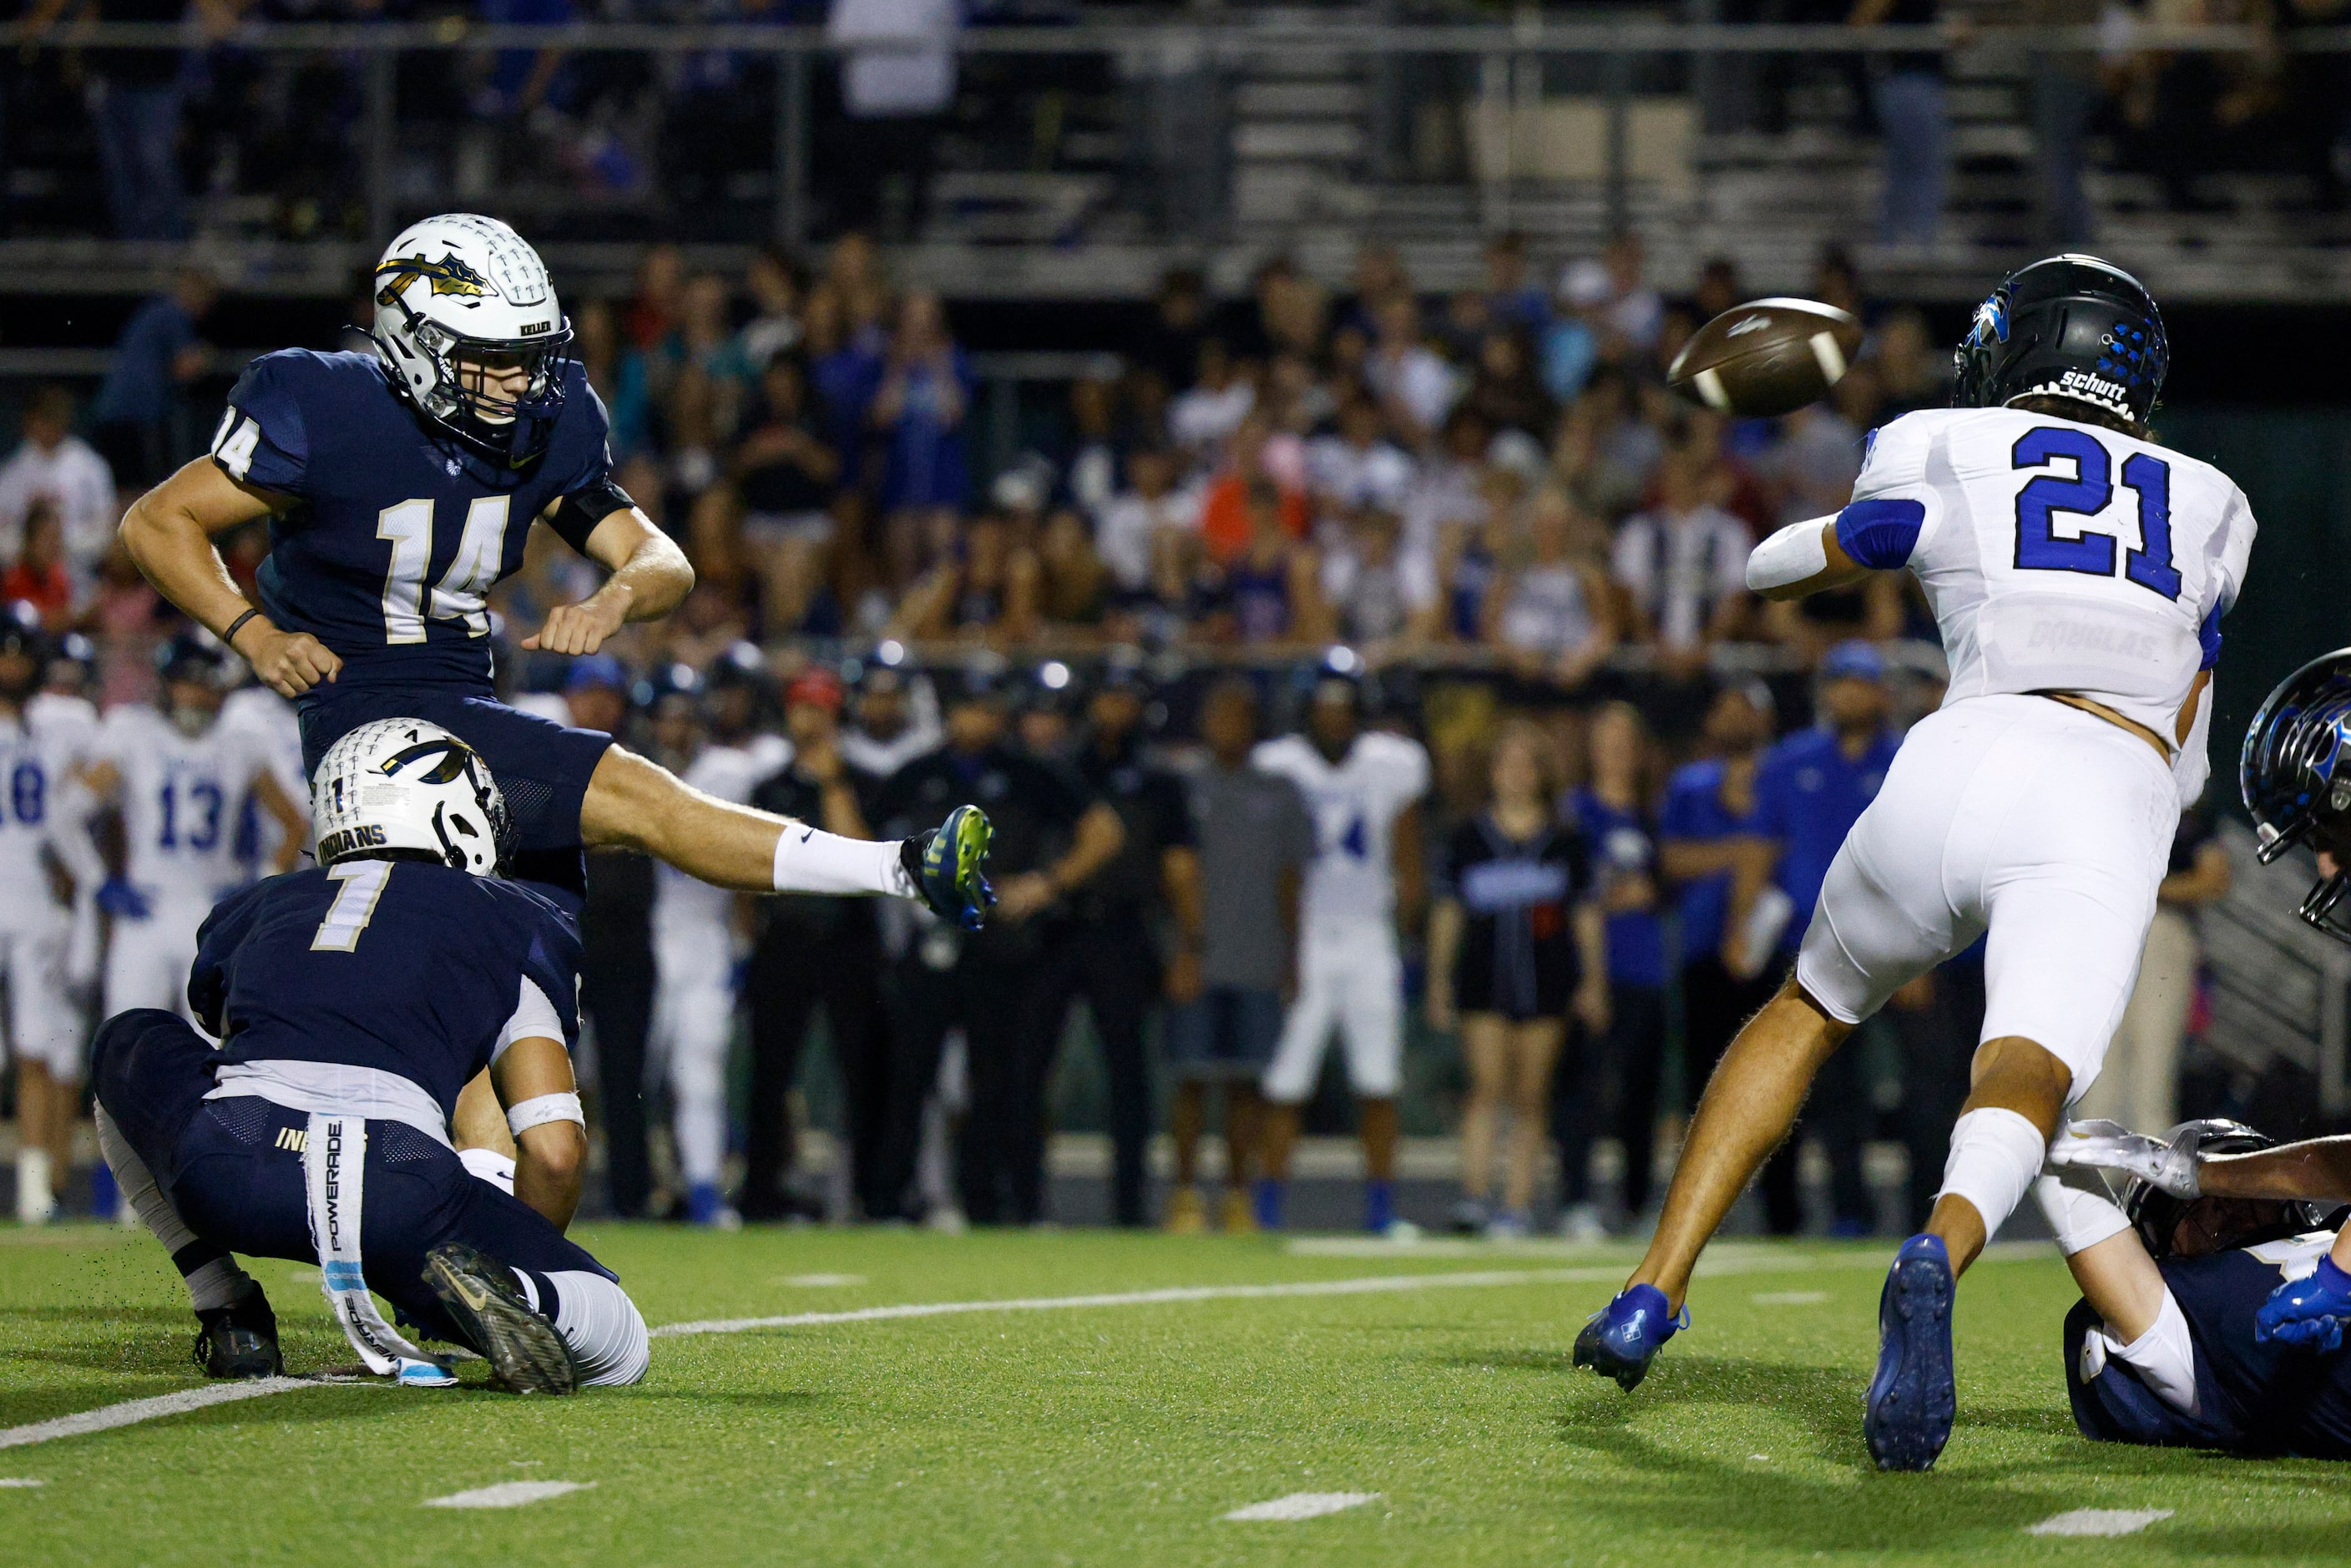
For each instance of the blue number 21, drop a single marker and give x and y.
(2086, 495)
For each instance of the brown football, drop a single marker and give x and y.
(1767, 357)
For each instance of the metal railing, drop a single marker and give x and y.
(1174, 47)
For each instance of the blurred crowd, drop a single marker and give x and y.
(213, 134)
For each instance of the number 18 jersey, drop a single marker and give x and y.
(2056, 556)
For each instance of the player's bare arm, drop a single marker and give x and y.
(550, 1154)
(170, 530)
(293, 823)
(650, 577)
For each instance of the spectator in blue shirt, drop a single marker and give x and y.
(1705, 835)
(1810, 789)
(1614, 812)
(155, 358)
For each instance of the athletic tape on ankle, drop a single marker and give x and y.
(1996, 1154)
(334, 1164)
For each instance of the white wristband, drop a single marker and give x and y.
(543, 1109)
(1793, 555)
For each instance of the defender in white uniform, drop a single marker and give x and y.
(1362, 789)
(696, 936)
(2078, 573)
(179, 778)
(39, 743)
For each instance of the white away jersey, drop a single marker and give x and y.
(731, 773)
(180, 799)
(36, 754)
(1355, 805)
(2056, 556)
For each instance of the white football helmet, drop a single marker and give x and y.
(404, 784)
(463, 286)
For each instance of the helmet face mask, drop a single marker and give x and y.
(473, 334)
(405, 789)
(2294, 774)
(2198, 1226)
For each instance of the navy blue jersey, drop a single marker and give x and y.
(399, 966)
(401, 533)
(2251, 1397)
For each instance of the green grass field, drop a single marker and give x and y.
(1119, 1433)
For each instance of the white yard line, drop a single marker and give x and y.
(1300, 1505)
(131, 1412)
(507, 1494)
(1743, 1261)
(2098, 1522)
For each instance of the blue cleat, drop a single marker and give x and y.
(1913, 1397)
(948, 867)
(1379, 1206)
(1265, 1202)
(1622, 1338)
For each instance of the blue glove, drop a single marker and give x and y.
(2307, 1312)
(123, 901)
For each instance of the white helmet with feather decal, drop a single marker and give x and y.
(404, 785)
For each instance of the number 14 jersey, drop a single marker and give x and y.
(399, 535)
(2056, 556)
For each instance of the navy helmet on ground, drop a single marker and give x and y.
(2198, 1226)
(2071, 327)
(2296, 775)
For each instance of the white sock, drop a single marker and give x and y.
(1995, 1155)
(489, 1165)
(810, 860)
(2075, 1204)
(35, 1202)
(597, 1320)
(211, 1284)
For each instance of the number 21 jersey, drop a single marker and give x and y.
(2057, 557)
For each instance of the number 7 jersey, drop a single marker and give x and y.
(2057, 557)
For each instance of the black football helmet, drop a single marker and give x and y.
(26, 647)
(198, 657)
(2294, 773)
(2198, 1227)
(2071, 327)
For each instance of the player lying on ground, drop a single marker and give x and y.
(354, 1001)
(399, 491)
(2214, 1296)
(2078, 573)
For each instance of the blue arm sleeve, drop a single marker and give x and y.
(262, 440)
(1881, 532)
(2208, 637)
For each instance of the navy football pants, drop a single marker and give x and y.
(227, 1166)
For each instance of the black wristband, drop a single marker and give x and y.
(228, 638)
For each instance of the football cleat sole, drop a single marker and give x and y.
(523, 1348)
(1914, 1397)
(951, 868)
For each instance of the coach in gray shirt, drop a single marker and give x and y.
(1253, 838)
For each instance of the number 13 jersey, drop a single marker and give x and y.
(399, 536)
(2057, 557)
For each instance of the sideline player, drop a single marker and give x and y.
(2078, 573)
(181, 778)
(45, 1032)
(398, 490)
(355, 999)
(696, 928)
(2214, 1296)
(1363, 789)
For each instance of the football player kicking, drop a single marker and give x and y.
(354, 1001)
(2078, 573)
(398, 490)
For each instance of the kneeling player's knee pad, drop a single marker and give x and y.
(597, 1321)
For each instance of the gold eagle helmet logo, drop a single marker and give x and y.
(448, 276)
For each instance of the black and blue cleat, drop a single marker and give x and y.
(948, 867)
(1625, 1336)
(1914, 1396)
